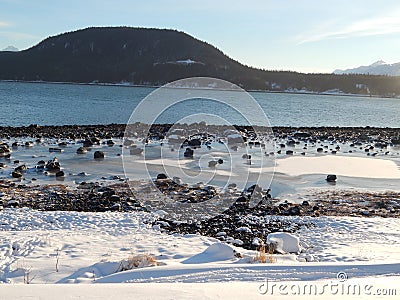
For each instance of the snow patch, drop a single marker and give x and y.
(215, 252)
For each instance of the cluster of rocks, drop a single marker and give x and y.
(241, 224)
(64, 131)
(184, 193)
(88, 197)
(379, 136)
(358, 204)
(328, 139)
(5, 150)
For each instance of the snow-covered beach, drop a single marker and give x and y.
(347, 227)
(88, 248)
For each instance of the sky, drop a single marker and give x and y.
(297, 35)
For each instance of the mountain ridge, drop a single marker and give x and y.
(377, 68)
(150, 56)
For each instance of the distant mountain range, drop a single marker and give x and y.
(145, 56)
(377, 68)
(10, 48)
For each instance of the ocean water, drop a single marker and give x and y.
(60, 104)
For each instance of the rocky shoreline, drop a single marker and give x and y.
(241, 223)
(390, 135)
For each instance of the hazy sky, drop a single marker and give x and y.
(300, 35)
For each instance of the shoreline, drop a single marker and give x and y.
(117, 130)
(159, 86)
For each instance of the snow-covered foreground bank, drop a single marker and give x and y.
(71, 247)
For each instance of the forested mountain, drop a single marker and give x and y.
(157, 56)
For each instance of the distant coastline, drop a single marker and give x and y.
(129, 85)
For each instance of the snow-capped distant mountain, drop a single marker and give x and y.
(377, 68)
(10, 48)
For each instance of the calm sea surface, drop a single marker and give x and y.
(59, 104)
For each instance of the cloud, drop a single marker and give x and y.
(4, 24)
(380, 25)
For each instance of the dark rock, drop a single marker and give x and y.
(87, 143)
(95, 140)
(162, 176)
(294, 211)
(188, 153)
(254, 188)
(110, 143)
(115, 198)
(194, 143)
(319, 150)
(81, 150)
(60, 174)
(220, 161)
(291, 143)
(98, 155)
(331, 178)
(212, 163)
(21, 168)
(241, 201)
(53, 165)
(16, 174)
(289, 152)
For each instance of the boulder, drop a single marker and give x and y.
(331, 178)
(87, 143)
(188, 153)
(98, 155)
(21, 168)
(60, 174)
(53, 165)
(16, 174)
(289, 152)
(284, 242)
(81, 150)
(212, 163)
(162, 176)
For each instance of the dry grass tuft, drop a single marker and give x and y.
(264, 254)
(138, 261)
